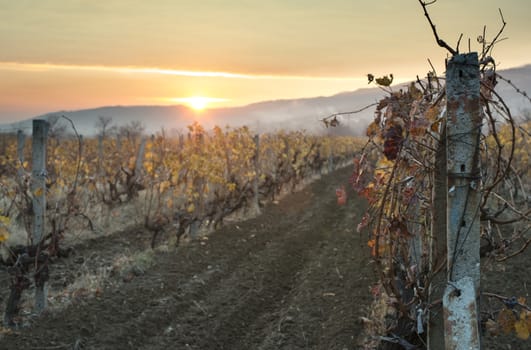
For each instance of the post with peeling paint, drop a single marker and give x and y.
(463, 132)
(38, 189)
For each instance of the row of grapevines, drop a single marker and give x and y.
(191, 179)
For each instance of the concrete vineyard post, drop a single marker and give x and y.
(256, 181)
(38, 189)
(463, 133)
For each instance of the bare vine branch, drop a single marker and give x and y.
(505, 300)
(518, 90)
(334, 116)
(78, 162)
(496, 39)
(439, 41)
(518, 252)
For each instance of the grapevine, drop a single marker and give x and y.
(399, 172)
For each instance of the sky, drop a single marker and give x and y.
(76, 54)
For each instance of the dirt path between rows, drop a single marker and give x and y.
(296, 277)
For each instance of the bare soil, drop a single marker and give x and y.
(295, 277)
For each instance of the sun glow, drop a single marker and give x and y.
(198, 103)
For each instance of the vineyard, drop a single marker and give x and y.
(171, 186)
(117, 206)
(422, 245)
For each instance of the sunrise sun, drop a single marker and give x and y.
(198, 103)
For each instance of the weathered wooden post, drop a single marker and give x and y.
(463, 132)
(38, 189)
(256, 181)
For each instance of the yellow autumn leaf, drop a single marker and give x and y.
(190, 208)
(38, 192)
(385, 80)
(149, 167)
(521, 327)
(4, 220)
(4, 234)
(169, 203)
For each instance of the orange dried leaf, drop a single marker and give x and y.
(432, 113)
(435, 126)
(373, 129)
(506, 320)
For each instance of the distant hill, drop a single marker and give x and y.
(266, 116)
(261, 117)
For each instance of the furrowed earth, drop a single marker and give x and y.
(298, 276)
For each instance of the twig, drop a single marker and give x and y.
(439, 41)
(351, 112)
(512, 143)
(199, 307)
(521, 92)
(400, 341)
(421, 85)
(505, 299)
(486, 50)
(61, 346)
(519, 251)
(434, 74)
(459, 41)
(78, 165)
